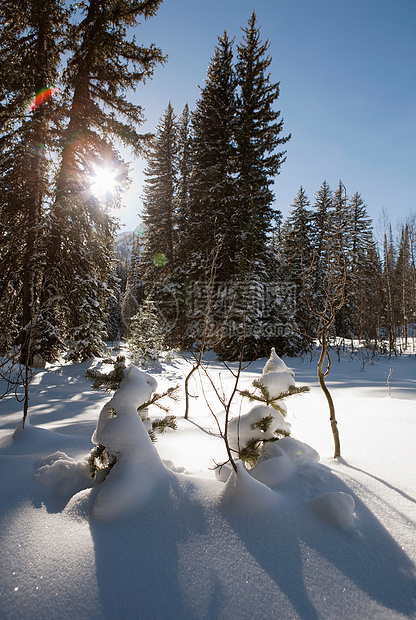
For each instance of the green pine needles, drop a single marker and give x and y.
(110, 381)
(263, 395)
(169, 421)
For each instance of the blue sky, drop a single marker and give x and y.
(347, 76)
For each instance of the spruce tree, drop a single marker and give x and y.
(103, 65)
(206, 243)
(160, 219)
(179, 292)
(159, 215)
(134, 289)
(258, 138)
(298, 253)
(371, 296)
(389, 306)
(342, 233)
(183, 169)
(31, 43)
(364, 268)
(324, 246)
(212, 182)
(403, 284)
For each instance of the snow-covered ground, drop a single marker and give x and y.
(334, 539)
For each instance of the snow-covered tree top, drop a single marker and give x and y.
(275, 364)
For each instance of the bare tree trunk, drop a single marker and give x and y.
(188, 376)
(321, 377)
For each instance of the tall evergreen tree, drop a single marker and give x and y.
(212, 182)
(31, 36)
(298, 258)
(134, 289)
(403, 284)
(411, 222)
(362, 261)
(161, 221)
(323, 240)
(159, 213)
(341, 231)
(104, 64)
(183, 173)
(370, 296)
(206, 194)
(258, 138)
(389, 307)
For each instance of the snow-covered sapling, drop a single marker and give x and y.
(159, 425)
(101, 460)
(133, 467)
(265, 422)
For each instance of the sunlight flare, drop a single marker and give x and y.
(105, 182)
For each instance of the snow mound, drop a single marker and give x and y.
(138, 467)
(274, 467)
(245, 495)
(240, 429)
(63, 474)
(31, 439)
(300, 453)
(336, 507)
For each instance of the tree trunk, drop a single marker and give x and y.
(188, 376)
(321, 377)
(33, 203)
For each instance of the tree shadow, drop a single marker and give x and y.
(287, 544)
(136, 558)
(387, 484)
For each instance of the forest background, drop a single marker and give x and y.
(212, 245)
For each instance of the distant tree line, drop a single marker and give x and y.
(215, 247)
(334, 232)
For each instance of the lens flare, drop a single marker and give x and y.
(160, 259)
(41, 97)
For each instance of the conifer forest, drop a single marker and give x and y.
(211, 257)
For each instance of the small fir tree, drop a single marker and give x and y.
(101, 460)
(146, 333)
(265, 422)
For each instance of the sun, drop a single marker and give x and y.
(104, 182)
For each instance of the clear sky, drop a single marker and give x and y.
(347, 73)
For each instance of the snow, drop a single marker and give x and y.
(277, 382)
(299, 536)
(276, 364)
(240, 428)
(337, 507)
(138, 467)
